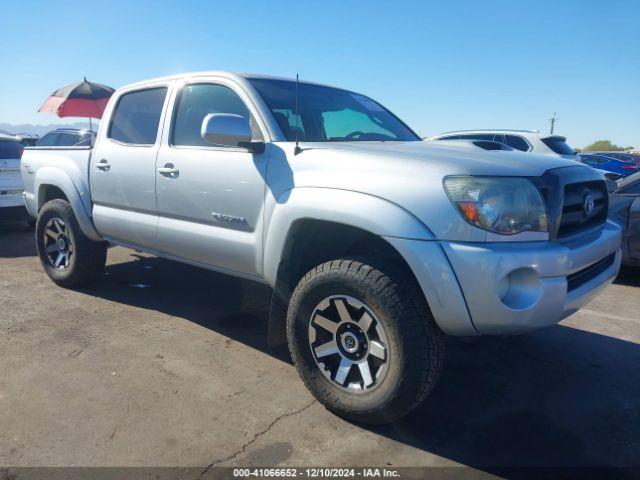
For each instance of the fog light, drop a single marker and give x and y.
(521, 289)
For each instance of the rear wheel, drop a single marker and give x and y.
(68, 256)
(363, 339)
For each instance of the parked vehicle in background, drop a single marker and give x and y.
(375, 243)
(625, 157)
(624, 209)
(609, 164)
(67, 137)
(27, 139)
(11, 189)
(523, 140)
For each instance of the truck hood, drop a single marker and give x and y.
(452, 157)
(408, 174)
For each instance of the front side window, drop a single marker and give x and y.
(329, 114)
(136, 117)
(519, 143)
(196, 101)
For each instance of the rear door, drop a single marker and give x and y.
(123, 167)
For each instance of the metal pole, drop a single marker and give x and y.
(91, 125)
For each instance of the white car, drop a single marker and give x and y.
(11, 199)
(523, 140)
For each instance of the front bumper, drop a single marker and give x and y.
(517, 287)
(510, 288)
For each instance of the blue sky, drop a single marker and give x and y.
(438, 65)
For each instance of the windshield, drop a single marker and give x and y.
(328, 114)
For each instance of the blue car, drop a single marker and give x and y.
(609, 164)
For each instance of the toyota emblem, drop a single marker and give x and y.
(589, 204)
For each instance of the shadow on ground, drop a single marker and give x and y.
(629, 276)
(16, 240)
(230, 306)
(559, 397)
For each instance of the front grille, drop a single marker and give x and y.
(583, 276)
(576, 215)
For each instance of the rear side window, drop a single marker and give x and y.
(10, 149)
(517, 142)
(196, 102)
(593, 160)
(137, 116)
(48, 140)
(558, 145)
(632, 189)
(450, 137)
(68, 139)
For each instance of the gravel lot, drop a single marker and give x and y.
(161, 364)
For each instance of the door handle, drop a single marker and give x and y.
(103, 165)
(169, 170)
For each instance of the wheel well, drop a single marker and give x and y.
(310, 243)
(47, 193)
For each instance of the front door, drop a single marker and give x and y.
(210, 198)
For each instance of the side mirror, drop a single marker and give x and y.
(229, 130)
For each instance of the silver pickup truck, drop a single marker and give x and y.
(376, 244)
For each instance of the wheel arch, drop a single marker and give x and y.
(52, 183)
(310, 226)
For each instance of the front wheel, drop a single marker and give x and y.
(363, 339)
(68, 256)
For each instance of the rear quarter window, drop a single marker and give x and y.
(136, 117)
(558, 145)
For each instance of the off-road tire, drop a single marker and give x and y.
(416, 344)
(89, 257)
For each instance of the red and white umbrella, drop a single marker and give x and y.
(82, 99)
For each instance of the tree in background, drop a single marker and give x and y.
(605, 146)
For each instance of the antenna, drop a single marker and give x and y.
(553, 122)
(297, 150)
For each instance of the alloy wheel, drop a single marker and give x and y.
(348, 343)
(57, 244)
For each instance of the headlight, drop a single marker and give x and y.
(505, 205)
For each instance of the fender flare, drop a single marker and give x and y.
(49, 176)
(367, 212)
